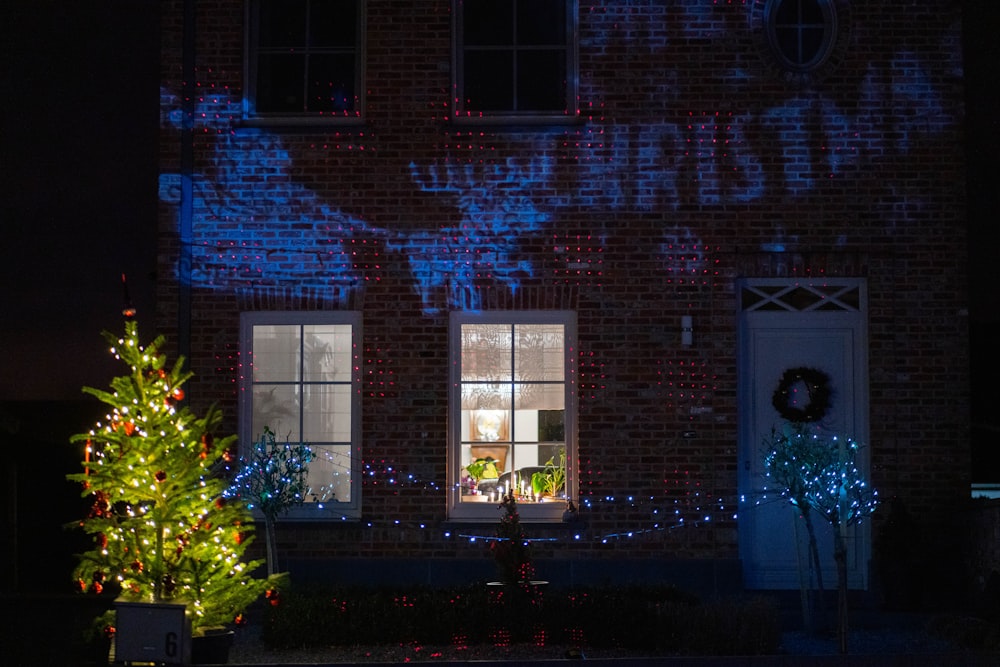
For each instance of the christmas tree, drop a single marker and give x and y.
(162, 529)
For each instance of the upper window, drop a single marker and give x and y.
(305, 60)
(301, 380)
(801, 33)
(512, 418)
(515, 59)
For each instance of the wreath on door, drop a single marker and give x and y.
(817, 384)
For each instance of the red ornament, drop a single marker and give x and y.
(178, 394)
(160, 476)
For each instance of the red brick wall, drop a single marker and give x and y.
(694, 163)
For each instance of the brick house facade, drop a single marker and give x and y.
(695, 159)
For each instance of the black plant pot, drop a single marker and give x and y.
(212, 648)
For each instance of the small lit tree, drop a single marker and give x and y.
(272, 479)
(511, 548)
(162, 530)
(819, 474)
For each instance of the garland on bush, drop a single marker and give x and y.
(817, 386)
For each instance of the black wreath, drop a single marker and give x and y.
(817, 385)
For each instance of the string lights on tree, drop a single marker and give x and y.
(162, 530)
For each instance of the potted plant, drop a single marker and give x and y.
(551, 480)
(272, 479)
(484, 468)
(163, 531)
(819, 475)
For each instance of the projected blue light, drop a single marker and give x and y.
(256, 226)
(498, 208)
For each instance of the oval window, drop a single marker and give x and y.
(801, 33)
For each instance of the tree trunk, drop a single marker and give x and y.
(272, 548)
(817, 598)
(840, 555)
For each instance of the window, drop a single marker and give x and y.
(801, 32)
(512, 416)
(515, 59)
(305, 60)
(301, 379)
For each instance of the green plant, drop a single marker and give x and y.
(272, 479)
(483, 468)
(819, 474)
(551, 480)
(161, 528)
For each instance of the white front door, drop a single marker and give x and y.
(786, 324)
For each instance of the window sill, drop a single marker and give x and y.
(301, 123)
(520, 123)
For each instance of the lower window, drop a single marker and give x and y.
(300, 381)
(512, 420)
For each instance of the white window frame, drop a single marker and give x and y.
(827, 43)
(254, 118)
(549, 511)
(337, 510)
(571, 111)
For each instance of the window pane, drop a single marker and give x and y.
(488, 22)
(811, 12)
(333, 23)
(326, 415)
(551, 425)
(331, 82)
(486, 395)
(330, 473)
(489, 80)
(541, 81)
(539, 353)
(276, 407)
(541, 22)
(282, 23)
(486, 352)
(276, 353)
(328, 352)
(279, 82)
(489, 425)
(787, 12)
(812, 43)
(539, 396)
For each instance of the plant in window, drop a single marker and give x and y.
(272, 479)
(162, 529)
(551, 480)
(820, 475)
(483, 468)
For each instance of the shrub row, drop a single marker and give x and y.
(660, 619)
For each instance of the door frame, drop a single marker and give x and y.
(797, 303)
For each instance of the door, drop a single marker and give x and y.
(786, 324)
